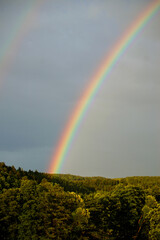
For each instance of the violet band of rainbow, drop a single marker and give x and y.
(95, 83)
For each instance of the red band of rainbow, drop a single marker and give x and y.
(95, 83)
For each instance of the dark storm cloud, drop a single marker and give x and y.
(52, 65)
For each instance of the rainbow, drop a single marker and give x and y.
(95, 83)
(18, 33)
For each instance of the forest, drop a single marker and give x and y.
(41, 206)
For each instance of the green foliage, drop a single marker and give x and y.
(149, 223)
(9, 212)
(44, 206)
(154, 233)
(116, 214)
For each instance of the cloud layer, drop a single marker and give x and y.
(53, 63)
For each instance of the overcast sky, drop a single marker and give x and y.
(50, 60)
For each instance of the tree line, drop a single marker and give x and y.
(43, 206)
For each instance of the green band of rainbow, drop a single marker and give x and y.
(95, 83)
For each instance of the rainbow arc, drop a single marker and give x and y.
(95, 83)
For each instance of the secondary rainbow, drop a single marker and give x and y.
(73, 124)
(18, 33)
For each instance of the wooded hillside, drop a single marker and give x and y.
(43, 206)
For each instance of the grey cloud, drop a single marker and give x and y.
(52, 65)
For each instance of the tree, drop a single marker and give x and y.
(9, 213)
(154, 233)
